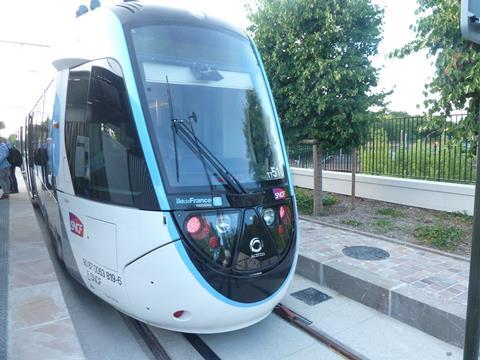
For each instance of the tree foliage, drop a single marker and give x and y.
(456, 83)
(254, 129)
(317, 54)
(12, 139)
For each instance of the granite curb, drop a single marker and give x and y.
(438, 317)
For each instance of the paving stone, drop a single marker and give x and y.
(460, 287)
(454, 290)
(427, 281)
(419, 284)
(54, 340)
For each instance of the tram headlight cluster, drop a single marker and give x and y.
(215, 234)
(279, 220)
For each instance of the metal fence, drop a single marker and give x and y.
(407, 147)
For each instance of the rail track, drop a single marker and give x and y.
(207, 353)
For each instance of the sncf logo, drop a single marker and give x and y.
(76, 226)
(279, 193)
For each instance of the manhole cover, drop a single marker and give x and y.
(365, 253)
(311, 296)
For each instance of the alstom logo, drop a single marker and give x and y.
(76, 226)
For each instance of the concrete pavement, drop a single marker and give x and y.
(39, 324)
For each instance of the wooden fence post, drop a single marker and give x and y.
(354, 171)
(317, 176)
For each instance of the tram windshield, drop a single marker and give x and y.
(208, 83)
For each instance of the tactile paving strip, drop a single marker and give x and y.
(4, 218)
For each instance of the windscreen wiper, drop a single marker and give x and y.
(174, 135)
(196, 145)
(240, 197)
(174, 121)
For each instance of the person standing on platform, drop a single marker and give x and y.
(15, 160)
(4, 168)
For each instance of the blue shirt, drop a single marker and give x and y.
(4, 164)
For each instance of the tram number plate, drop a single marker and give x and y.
(97, 273)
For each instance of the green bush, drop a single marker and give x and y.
(395, 213)
(304, 201)
(329, 200)
(455, 217)
(439, 235)
(383, 225)
(463, 217)
(351, 222)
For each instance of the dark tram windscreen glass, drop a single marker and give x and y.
(215, 86)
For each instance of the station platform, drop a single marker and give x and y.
(46, 314)
(38, 324)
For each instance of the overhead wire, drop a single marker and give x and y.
(21, 43)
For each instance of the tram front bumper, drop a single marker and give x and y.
(165, 292)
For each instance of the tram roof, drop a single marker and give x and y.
(78, 47)
(134, 14)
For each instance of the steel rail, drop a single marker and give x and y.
(202, 348)
(207, 353)
(306, 325)
(151, 341)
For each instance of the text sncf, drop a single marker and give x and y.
(279, 193)
(76, 226)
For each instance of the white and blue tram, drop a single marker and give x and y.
(157, 159)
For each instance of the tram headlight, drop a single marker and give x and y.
(285, 214)
(281, 224)
(197, 227)
(224, 224)
(194, 224)
(269, 216)
(213, 233)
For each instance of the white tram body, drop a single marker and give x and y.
(157, 159)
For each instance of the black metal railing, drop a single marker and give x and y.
(409, 147)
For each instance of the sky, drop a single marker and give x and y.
(26, 70)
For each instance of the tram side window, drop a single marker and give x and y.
(48, 118)
(75, 125)
(105, 157)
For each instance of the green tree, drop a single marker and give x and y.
(12, 139)
(396, 114)
(255, 131)
(317, 54)
(456, 82)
